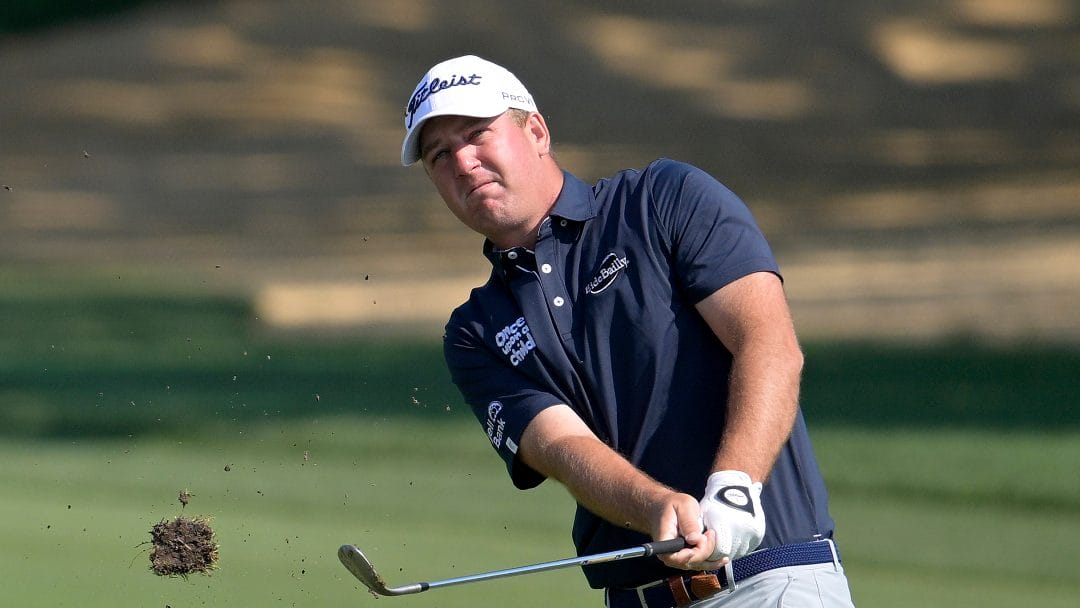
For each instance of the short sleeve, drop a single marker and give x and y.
(503, 399)
(713, 237)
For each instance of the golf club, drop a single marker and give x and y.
(361, 567)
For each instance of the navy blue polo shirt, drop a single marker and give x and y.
(600, 316)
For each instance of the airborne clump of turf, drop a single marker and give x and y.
(183, 546)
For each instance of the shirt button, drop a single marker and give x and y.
(546, 269)
(558, 301)
(512, 255)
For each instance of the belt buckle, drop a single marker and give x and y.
(689, 588)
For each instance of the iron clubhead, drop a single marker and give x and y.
(356, 562)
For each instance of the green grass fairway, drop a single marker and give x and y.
(427, 500)
(956, 518)
(952, 468)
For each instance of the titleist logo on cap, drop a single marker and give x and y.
(463, 86)
(433, 86)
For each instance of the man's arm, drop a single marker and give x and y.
(751, 317)
(558, 444)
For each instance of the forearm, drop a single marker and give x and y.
(560, 446)
(606, 483)
(751, 318)
(762, 404)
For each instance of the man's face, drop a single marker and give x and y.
(488, 172)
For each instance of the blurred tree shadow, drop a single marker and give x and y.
(113, 366)
(24, 16)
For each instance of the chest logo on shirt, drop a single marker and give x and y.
(516, 341)
(609, 270)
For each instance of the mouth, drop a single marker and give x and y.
(474, 189)
(477, 186)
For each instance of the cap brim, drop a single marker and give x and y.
(410, 147)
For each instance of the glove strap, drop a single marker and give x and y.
(736, 497)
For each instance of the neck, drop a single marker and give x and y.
(528, 235)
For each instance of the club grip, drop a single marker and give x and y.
(660, 547)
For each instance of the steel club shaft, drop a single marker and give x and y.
(359, 565)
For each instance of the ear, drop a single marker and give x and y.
(537, 128)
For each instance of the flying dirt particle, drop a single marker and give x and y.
(7, 187)
(183, 546)
(184, 497)
(228, 468)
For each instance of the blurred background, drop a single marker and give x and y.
(218, 278)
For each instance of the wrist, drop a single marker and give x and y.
(646, 506)
(730, 477)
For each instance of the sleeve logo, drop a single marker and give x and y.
(495, 425)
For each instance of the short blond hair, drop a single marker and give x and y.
(519, 116)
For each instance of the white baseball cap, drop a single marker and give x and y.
(463, 86)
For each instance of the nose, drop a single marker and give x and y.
(465, 160)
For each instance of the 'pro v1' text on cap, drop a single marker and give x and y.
(463, 86)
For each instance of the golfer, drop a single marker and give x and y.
(634, 343)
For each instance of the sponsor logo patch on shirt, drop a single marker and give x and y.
(495, 424)
(516, 341)
(609, 270)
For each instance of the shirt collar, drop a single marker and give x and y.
(575, 203)
(506, 260)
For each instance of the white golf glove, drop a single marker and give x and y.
(732, 507)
